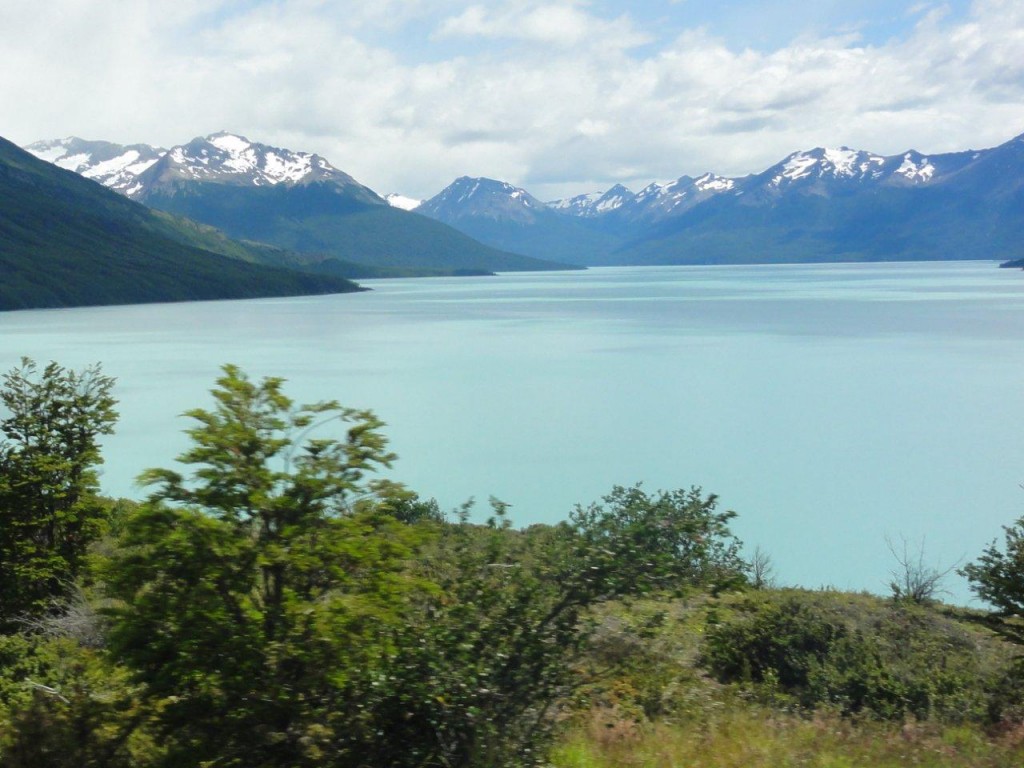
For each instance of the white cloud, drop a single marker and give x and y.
(553, 96)
(564, 25)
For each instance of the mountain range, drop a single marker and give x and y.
(66, 241)
(326, 220)
(816, 205)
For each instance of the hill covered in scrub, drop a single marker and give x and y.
(272, 603)
(768, 677)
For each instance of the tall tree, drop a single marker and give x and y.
(49, 509)
(257, 595)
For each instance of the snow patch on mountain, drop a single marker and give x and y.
(577, 205)
(396, 200)
(711, 182)
(118, 168)
(178, 156)
(521, 195)
(841, 163)
(76, 163)
(230, 143)
(652, 190)
(920, 170)
(221, 158)
(842, 160)
(469, 193)
(613, 200)
(51, 152)
(288, 169)
(227, 158)
(112, 165)
(797, 167)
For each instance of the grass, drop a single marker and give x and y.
(653, 703)
(737, 735)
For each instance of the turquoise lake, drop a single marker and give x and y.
(830, 406)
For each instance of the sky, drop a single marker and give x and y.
(559, 97)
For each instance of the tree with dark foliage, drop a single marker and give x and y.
(51, 423)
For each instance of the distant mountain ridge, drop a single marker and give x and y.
(223, 157)
(293, 200)
(508, 217)
(821, 204)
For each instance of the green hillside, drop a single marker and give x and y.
(66, 241)
(321, 220)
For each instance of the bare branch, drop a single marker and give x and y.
(46, 689)
(914, 580)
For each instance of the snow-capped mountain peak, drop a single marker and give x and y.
(229, 142)
(653, 190)
(113, 165)
(228, 158)
(827, 163)
(489, 198)
(613, 199)
(223, 158)
(659, 200)
(654, 202)
(593, 204)
(577, 205)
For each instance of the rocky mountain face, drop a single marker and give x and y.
(293, 200)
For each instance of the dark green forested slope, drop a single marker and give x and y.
(66, 241)
(321, 221)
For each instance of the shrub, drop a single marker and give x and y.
(889, 660)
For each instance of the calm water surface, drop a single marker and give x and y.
(831, 406)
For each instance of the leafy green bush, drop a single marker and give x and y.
(65, 706)
(890, 660)
(282, 609)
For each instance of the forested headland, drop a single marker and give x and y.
(274, 601)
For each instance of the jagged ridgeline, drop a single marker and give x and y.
(66, 241)
(819, 205)
(325, 219)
